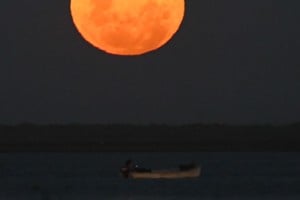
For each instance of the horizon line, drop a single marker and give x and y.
(152, 124)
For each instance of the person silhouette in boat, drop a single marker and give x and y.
(130, 166)
(127, 168)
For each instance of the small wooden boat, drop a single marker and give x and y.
(181, 172)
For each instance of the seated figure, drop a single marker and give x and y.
(131, 167)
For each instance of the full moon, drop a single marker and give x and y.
(127, 27)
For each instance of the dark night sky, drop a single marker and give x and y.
(231, 62)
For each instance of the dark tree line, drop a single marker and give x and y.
(123, 137)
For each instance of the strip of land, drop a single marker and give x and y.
(151, 138)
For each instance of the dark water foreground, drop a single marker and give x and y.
(77, 176)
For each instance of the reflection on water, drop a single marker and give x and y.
(96, 176)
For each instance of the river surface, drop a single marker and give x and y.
(89, 176)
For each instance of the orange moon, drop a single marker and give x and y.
(127, 27)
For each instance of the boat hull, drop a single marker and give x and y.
(167, 174)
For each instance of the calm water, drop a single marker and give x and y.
(88, 176)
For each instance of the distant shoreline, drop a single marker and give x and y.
(152, 138)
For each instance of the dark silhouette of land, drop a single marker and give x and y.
(153, 138)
